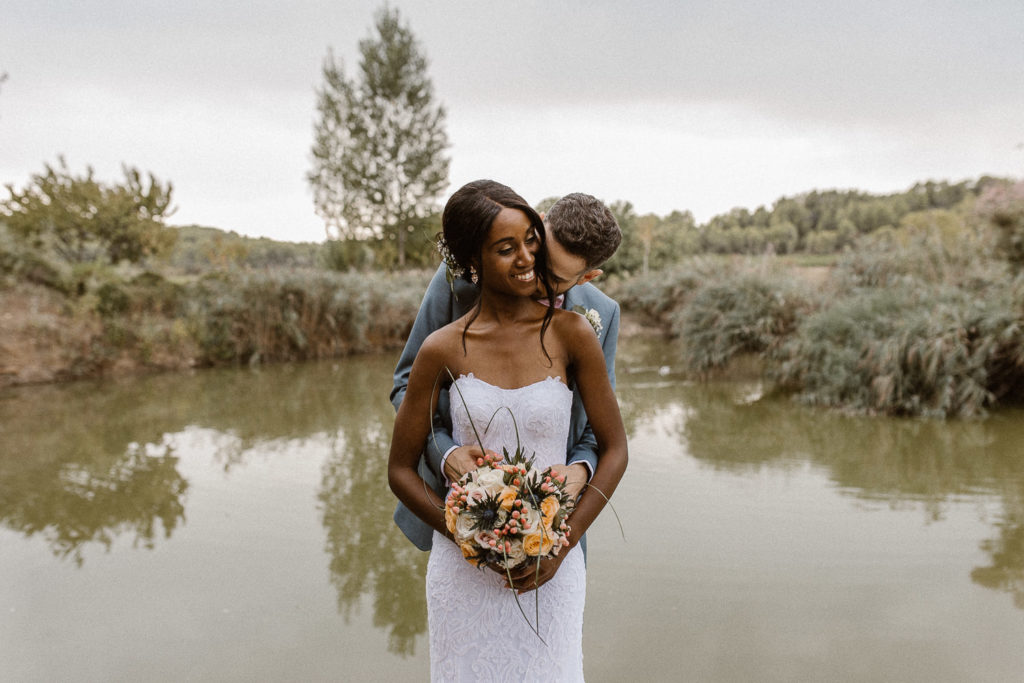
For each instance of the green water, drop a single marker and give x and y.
(236, 525)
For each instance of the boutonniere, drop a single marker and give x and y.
(592, 316)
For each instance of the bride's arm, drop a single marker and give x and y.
(412, 428)
(587, 361)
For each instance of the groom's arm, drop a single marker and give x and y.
(435, 312)
(584, 450)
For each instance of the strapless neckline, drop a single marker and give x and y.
(556, 379)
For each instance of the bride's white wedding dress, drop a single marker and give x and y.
(477, 632)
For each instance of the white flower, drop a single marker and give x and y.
(530, 518)
(491, 480)
(464, 530)
(592, 316)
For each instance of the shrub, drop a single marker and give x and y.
(921, 252)
(749, 313)
(906, 350)
(1002, 205)
(661, 295)
(301, 315)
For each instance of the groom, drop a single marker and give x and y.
(581, 235)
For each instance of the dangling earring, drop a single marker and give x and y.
(472, 275)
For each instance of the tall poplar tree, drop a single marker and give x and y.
(379, 160)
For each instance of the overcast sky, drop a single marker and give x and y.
(700, 106)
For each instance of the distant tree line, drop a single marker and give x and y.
(816, 222)
(925, 319)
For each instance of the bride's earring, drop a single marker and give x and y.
(472, 275)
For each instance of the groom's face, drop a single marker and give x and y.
(566, 270)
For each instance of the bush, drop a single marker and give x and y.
(749, 313)
(145, 293)
(238, 318)
(19, 261)
(925, 254)
(1002, 205)
(662, 294)
(938, 352)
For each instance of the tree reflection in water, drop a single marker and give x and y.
(88, 462)
(730, 425)
(369, 556)
(1006, 573)
(343, 408)
(77, 477)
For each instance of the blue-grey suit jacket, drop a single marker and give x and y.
(441, 305)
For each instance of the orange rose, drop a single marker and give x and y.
(549, 508)
(538, 543)
(449, 519)
(507, 497)
(468, 549)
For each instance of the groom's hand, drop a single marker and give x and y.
(462, 460)
(575, 477)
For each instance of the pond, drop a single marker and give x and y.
(236, 525)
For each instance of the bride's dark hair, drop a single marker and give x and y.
(467, 220)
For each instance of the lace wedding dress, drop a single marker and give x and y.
(477, 632)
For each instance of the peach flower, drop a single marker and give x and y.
(538, 543)
(549, 508)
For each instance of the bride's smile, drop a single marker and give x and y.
(510, 253)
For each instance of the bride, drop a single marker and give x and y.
(508, 351)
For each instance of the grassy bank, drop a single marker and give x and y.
(147, 322)
(917, 323)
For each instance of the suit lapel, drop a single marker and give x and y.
(572, 298)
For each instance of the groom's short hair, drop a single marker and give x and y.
(585, 227)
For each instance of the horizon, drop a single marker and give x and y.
(699, 223)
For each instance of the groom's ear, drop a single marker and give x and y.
(589, 275)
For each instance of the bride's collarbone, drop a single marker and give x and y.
(509, 370)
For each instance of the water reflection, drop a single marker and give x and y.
(1006, 550)
(368, 556)
(86, 464)
(86, 471)
(733, 426)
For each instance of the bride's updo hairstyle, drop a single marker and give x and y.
(465, 224)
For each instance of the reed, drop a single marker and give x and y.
(748, 313)
(908, 351)
(299, 315)
(661, 295)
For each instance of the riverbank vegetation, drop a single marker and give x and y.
(94, 283)
(921, 313)
(925, 318)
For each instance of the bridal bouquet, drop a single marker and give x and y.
(507, 512)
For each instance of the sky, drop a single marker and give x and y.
(669, 104)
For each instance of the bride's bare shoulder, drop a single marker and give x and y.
(442, 341)
(572, 324)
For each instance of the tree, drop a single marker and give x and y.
(629, 256)
(645, 227)
(378, 150)
(1002, 205)
(84, 221)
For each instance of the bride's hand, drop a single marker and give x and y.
(528, 578)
